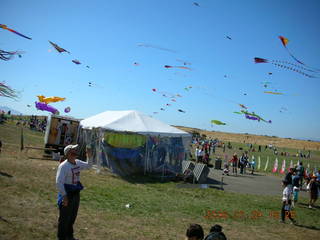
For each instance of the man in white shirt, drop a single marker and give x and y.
(69, 187)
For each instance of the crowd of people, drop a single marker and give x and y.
(37, 123)
(243, 163)
(296, 178)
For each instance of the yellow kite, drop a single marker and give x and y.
(50, 99)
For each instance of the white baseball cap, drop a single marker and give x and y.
(68, 148)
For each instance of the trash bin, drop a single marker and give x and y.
(218, 163)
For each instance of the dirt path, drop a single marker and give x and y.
(249, 184)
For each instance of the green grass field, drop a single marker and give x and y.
(158, 210)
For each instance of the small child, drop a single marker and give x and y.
(225, 169)
(253, 165)
(286, 202)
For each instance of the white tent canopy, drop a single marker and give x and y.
(131, 121)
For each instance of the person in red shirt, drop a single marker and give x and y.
(234, 161)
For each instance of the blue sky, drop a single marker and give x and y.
(105, 34)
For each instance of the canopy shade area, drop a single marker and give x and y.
(130, 142)
(131, 121)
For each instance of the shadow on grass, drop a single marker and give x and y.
(306, 205)
(4, 220)
(5, 174)
(140, 179)
(308, 227)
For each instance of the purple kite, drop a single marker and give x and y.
(44, 107)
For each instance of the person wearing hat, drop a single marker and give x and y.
(69, 187)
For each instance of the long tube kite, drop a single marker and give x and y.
(6, 56)
(44, 107)
(156, 47)
(284, 42)
(274, 93)
(13, 31)
(6, 91)
(252, 116)
(181, 67)
(286, 65)
(47, 100)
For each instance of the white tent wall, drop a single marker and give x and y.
(164, 157)
(163, 151)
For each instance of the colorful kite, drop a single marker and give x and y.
(6, 56)
(164, 94)
(252, 116)
(11, 30)
(76, 61)
(67, 109)
(243, 106)
(156, 47)
(284, 64)
(181, 67)
(6, 91)
(49, 99)
(59, 49)
(274, 93)
(44, 107)
(217, 122)
(284, 42)
(180, 110)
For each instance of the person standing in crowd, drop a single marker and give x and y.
(296, 187)
(194, 232)
(196, 154)
(245, 162)
(234, 162)
(300, 173)
(288, 178)
(241, 163)
(253, 165)
(201, 154)
(313, 190)
(69, 187)
(286, 203)
(216, 233)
